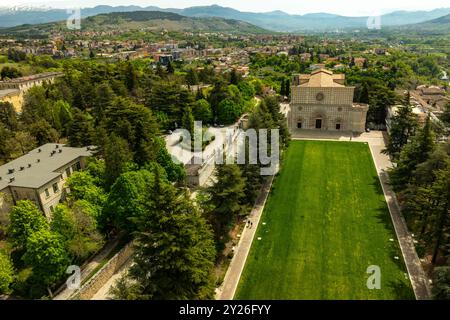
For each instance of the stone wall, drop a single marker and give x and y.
(90, 288)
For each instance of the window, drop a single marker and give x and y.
(52, 209)
(68, 172)
(338, 126)
(76, 167)
(340, 109)
(47, 193)
(299, 125)
(55, 187)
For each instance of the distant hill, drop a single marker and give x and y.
(142, 20)
(445, 20)
(439, 26)
(275, 20)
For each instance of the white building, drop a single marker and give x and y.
(39, 176)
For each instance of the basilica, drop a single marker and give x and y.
(321, 101)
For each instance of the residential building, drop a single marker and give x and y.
(13, 90)
(39, 176)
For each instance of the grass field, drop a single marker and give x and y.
(324, 223)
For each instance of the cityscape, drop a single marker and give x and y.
(211, 153)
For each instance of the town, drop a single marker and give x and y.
(96, 175)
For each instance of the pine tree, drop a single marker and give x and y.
(226, 198)
(117, 156)
(402, 128)
(282, 88)
(174, 248)
(414, 153)
(170, 69)
(287, 88)
(187, 122)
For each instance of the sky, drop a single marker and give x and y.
(342, 7)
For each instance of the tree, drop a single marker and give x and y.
(413, 153)
(82, 187)
(126, 200)
(8, 116)
(403, 124)
(78, 228)
(247, 90)
(445, 116)
(170, 69)
(62, 116)
(130, 77)
(81, 129)
(287, 88)
(440, 210)
(104, 97)
(46, 255)
(25, 219)
(6, 273)
(169, 98)
(191, 77)
(202, 111)
(10, 73)
(117, 158)
(174, 250)
(441, 287)
(43, 132)
(226, 196)
(187, 122)
(234, 77)
(352, 62)
(282, 88)
(228, 111)
(21, 143)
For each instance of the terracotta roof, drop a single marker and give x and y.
(322, 78)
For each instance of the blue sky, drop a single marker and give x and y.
(343, 7)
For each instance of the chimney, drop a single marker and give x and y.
(11, 171)
(29, 165)
(60, 150)
(39, 150)
(12, 179)
(22, 168)
(38, 160)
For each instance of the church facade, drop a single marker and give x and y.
(321, 101)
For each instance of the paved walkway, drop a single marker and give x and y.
(231, 280)
(103, 292)
(376, 142)
(87, 269)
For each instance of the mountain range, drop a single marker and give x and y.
(275, 20)
(140, 20)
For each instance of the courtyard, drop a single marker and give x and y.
(325, 222)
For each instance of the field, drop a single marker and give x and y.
(325, 222)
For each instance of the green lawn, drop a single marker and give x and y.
(324, 223)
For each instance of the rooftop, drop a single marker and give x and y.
(321, 78)
(39, 166)
(33, 77)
